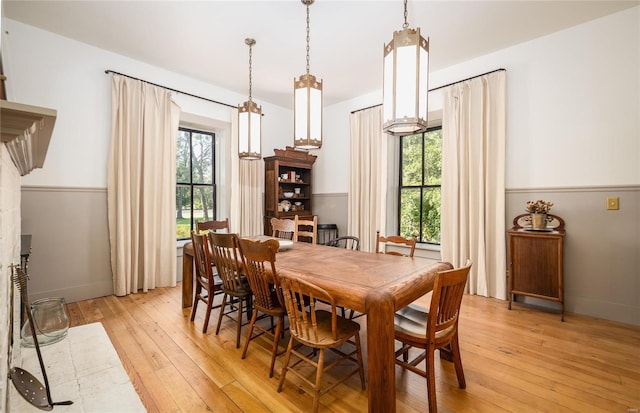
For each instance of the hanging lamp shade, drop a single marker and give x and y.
(308, 112)
(307, 105)
(405, 84)
(249, 121)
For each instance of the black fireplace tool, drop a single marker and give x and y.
(26, 383)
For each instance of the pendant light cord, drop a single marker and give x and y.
(406, 23)
(250, 42)
(250, 62)
(308, 38)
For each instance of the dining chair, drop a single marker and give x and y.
(225, 252)
(395, 240)
(347, 241)
(318, 330)
(259, 261)
(207, 284)
(212, 225)
(306, 228)
(434, 329)
(283, 228)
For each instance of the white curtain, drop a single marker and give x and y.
(245, 213)
(473, 169)
(367, 208)
(141, 185)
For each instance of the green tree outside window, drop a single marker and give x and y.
(420, 181)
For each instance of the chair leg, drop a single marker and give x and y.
(457, 361)
(431, 381)
(195, 302)
(222, 307)
(276, 339)
(285, 366)
(254, 316)
(239, 322)
(360, 364)
(316, 388)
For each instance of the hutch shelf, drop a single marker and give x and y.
(287, 177)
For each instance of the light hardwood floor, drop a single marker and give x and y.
(523, 360)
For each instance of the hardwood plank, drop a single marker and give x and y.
(524, 360)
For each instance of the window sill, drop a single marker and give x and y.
(181, 243)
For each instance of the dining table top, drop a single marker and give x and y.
(351, 276)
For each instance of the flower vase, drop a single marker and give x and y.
(538, 221)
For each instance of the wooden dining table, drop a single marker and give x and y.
(375, 284)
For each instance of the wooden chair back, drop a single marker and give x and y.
(202, 256)
(226, 256)
(213, 226)
(348, 241)
(446, 298)
(398, 240)
(283, 228)
(259, 259)
(306, 228)
(302, 323)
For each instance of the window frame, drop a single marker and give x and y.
(192, 186)
(421, 187)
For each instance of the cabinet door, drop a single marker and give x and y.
(535, 265)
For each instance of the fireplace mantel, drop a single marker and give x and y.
(26, 131)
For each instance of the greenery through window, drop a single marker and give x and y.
(420, 180)
(195, 180)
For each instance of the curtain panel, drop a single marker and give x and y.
(367, 207)
(473, 181)
(141, 182)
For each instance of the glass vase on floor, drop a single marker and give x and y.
(51, 322)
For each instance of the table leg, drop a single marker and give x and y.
(187, 275)
(380, 353)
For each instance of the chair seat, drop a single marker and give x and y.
(346, 329)
(411, 322)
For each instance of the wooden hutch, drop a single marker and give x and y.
(287, 185)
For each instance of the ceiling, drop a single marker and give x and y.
(205, 40)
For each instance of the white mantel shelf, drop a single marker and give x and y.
(83, 368)
(26, 130)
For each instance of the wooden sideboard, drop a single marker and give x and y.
(535, 262)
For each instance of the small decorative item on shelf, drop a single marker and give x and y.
(538, 210)
(297, 191)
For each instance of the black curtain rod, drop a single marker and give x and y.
(439, 87)
(171, 89)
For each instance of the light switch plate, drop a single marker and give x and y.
(612, 203)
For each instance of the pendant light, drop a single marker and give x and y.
(405, 87)
(249, 121)
(307, 105)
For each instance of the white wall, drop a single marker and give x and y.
(45, 69)
(573, 104)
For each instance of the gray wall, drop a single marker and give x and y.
(602, 248)
(70, 246)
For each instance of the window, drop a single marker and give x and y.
(420, 180)
(195, 180)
